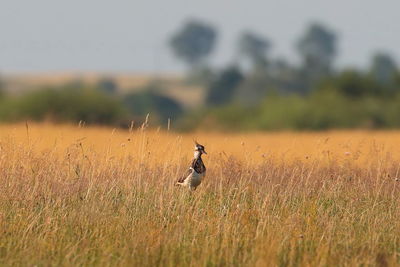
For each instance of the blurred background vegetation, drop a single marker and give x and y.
(253, 92)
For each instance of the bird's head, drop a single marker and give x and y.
(199, 149)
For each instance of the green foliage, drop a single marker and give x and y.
(254, 88)
(108, 86)
(221, 90)
(317, 47)
(353, 84)
(92, 105)
(194, 42)
(2, 93)
(321, 110)
(149, 102)
(383, 68)
(254, 47)
(63, 104)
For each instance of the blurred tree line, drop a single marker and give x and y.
(96, 104)
(257, 91)
(254, 91)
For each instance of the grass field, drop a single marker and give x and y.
(74, 195)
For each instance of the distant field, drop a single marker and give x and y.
(97, 196)
(173, 86)
(124, 81)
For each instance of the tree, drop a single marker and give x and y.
(194, 42)
(108, 86)
(1, 88)
(317, 47)
(254, 87)
(254, 48)
(351, 83)
(223, 88)
(148, 101)
(383, 68)
(64, 103)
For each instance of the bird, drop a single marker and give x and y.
(197, 170)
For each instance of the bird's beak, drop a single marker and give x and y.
(204, 152)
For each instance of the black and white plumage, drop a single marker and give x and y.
(197, 170)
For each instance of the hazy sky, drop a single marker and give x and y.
(131, 35)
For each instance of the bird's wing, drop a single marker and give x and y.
(183, 177)
(188, 172)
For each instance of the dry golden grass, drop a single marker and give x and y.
(97, 196)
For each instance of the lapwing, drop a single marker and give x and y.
(197, 170)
